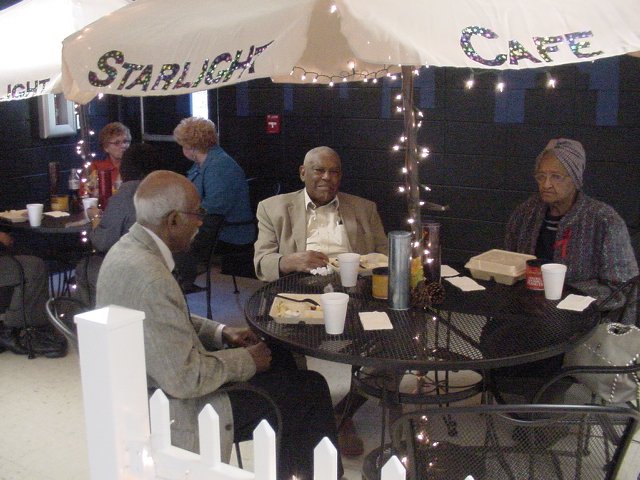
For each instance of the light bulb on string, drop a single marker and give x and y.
(399, 97)
(303, 77)
(471, 81)
(333, 9)
(500, 86)
(426, 188)
(404, 170)
(401, 189)
(331, 83)
(396, 148)
(551, 82)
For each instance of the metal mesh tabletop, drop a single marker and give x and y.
(500, 326)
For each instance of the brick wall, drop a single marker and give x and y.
(482, 144)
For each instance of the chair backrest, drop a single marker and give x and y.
(6, 294)
(622, 304)
(12, 277)
(61, 311)
(261, 188)
(514, 441)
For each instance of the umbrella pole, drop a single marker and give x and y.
(411, 153)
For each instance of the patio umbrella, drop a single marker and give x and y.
(165, 47)
(31, 33)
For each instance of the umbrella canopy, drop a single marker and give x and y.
(31, 33)
(164, 47)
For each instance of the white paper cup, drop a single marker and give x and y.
(87, 203)
(334, 308)
(349, 264)
(553, 279)
(34, 210)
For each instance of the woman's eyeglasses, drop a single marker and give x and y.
(554, 178)
(119, 143)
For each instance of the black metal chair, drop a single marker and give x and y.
(512, 442)
(245, 388)
(622, 306)
(240, 264)
(61, 311)
(7, 290)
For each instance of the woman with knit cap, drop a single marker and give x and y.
(563, 224)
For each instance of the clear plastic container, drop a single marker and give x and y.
(501, 265)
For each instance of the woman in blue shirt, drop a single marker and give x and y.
(222, 186)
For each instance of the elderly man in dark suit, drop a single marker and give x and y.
(299, 231)
(186, 355)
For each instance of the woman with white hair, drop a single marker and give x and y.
(563, 224)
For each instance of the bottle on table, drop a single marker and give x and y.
(75, 205)
(104, 188)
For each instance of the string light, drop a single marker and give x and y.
(551, 82)
(333, 9)
(470, 82)
(500, 86)
(352, 74)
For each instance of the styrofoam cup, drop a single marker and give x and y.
(87, 203)
(34, 211)
(553, 279)
(334, 308)
(349, 264)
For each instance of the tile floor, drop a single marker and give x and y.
(42, 426)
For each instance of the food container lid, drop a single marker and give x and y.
(501, 262)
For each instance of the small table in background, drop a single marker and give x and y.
(59, 241)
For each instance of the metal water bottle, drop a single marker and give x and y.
(399, 269)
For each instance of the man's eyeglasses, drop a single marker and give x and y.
(554, 178)
(119, 143)
(200, 213)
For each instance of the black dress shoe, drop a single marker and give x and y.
(9, 341)
(45, 343)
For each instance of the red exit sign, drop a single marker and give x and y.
(273, 123)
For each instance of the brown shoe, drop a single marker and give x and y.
(348, 441)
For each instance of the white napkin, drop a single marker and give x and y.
(576, 303)
(322, 271)
(56, 214)
(375, 321)
(447, 271)
(465, 284)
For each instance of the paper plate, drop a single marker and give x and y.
(367, 262)
(287, 311)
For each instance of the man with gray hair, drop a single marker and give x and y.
(298, 231)
(190, 357)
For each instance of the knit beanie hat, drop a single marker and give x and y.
(572, 156)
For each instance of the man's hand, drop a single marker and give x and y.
(303, 261)
(261, 356)
(239, 337)
(6, 239)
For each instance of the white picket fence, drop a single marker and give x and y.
(129, 437)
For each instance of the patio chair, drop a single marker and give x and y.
(622, 306)
(514, 442)
(61, 311)
(6, 294)
(240, 264)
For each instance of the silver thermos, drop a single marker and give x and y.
(399, 269)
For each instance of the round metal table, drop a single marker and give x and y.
(497, 327)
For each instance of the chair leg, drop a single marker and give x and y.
(235, 284)
(238, 454)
